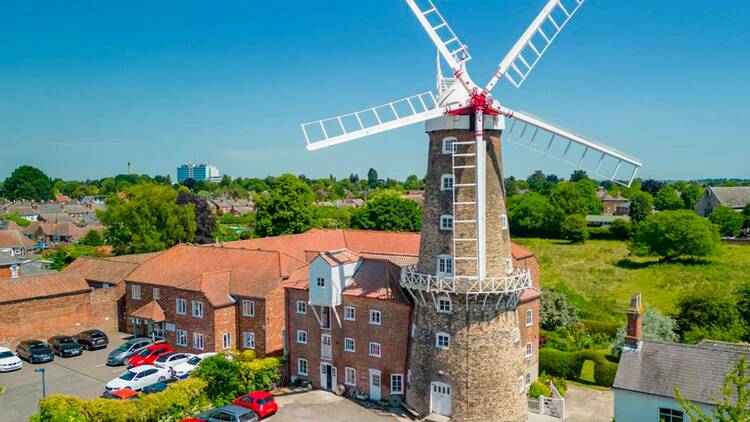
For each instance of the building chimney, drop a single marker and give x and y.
(634, 333)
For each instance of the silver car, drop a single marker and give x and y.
(123, 352)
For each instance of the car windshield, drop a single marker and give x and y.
(144, 353)
(68, 341)
(96, 334)
(128, 376)
(123, 347)
(38, 347)
(163, 358)
(264, 401)
(6, 354)
(194, 360)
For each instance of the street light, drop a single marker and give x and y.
(44, 382)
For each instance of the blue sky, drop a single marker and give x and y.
(87, 86)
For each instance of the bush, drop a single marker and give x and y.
(728, 220)
(604, 373)
(600, 328)
(621, 229)
(223, 378)
(559, 364)
(574, 228)
(709, 314)
(674, 234)
(538, 388)
(557, 311)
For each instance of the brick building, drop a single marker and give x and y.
(10, 266)
(42, 306)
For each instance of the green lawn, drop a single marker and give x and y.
(602, 275)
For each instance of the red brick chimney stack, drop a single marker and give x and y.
(634, 333)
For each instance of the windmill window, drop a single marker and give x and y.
(444, 305)
(449, 145)
(445, 266)
(504, 222)
(446, 222)
(443, 341)
(446, 182)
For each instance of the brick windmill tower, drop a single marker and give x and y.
(465, 358)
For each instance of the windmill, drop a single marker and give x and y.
(466, 360)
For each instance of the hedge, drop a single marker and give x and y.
(598, 327)
(179, 400)
(569, 365)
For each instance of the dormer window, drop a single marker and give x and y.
(321, 282)
(449, 145)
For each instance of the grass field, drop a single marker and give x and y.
(602, 275)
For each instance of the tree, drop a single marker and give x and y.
(286, 209)
(621, 229)
(668, 199)
(727, 220)
(413, 183)
(222, 376)
(651, 186)
(538, 183)
(743, 305)
(641, 206)
(190, 183)
(386, 210)
(574, 229)
(29, 183)
(529, 214)
(578, 175)
(733, 406)
(746, 213)
(675, 234)
(576, 197)
(92, 238)
(557, 311)
(690, 195)
(148, 219)
(709, 314)
(205, 220)
(372, 178)
(656, 326)
(511, 186)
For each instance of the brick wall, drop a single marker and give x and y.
(275, 317)
(5, 272)
(392, 336)
(225, 321)
(252, 324)
(44, 318)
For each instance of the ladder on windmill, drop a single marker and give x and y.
(464, 164)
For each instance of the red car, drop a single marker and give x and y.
(260, 402)
(122, 394)
(148, 355)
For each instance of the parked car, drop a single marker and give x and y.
(260, 402)
(137, 378)
(65, 346)
(159, 386)
(123, 352)
(172, 359)
(182, 370)
(232, 413)
(35, 351)
(149, 355)
(92, 339)
(9, 361)
(122, 394)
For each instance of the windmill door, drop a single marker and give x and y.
(374, 385)
(325, 346)
(440, 399)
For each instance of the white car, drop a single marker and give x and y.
(182, 370)
(138, 377)
(9, 361)
(172, 359)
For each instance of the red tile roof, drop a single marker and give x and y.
(138, 258)
(102, 270)
(14, 239)
(152, 311)
(339, 257)
(40, 286)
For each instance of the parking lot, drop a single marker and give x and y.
(83, 376)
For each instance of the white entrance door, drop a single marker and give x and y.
(374, 384)
(440, 399)
(327, 376)
(325, 346)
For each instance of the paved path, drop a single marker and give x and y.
(583, 404)
(317, 405)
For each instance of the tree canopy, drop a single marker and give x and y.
(728, 220)
(286, 209)
(641, 205)
(656, 326)
(668, 199)
(675, 234)
(574, 229)
(709, 314)
(530, 214)
(205, 220)
(29, 183)
(386, 210)
(148, 219)
(557, 311)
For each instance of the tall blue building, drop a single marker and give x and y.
(198, 172)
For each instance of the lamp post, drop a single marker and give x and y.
(44, 382)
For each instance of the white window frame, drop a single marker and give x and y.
(441, 300)
(521, 384)
(135, 292)
(301, 336)
(528, 380)
(509, 264)
(376, 317)
(529, 317)
(302, 307)
(226, 340)
(446, 222)
(503, 222)
(248, 340)
(302, 366)
(197, 311)
(529, 349)
(350, 376)
(198, 341)
(181, 337)
(446, 262)
(397, 380)
(443, 179)
(347, 341)
(449, 146)
(248, 308)
(155, 293)
(379, 350)
(14, 271)
(181, 310)
(320, 282)
(347, 311)
(443, 336)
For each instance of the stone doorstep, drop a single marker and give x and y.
(434, 417)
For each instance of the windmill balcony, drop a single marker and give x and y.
(516, 282)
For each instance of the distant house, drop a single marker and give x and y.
(13, 242)
(604, 220)
(733, 197)
(10, 266)
(25, 212)
(615, 205)
(649, 372)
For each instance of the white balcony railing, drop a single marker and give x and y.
(515, 282)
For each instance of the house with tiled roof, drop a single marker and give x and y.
(13, 242)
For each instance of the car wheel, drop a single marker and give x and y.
(161, 379)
